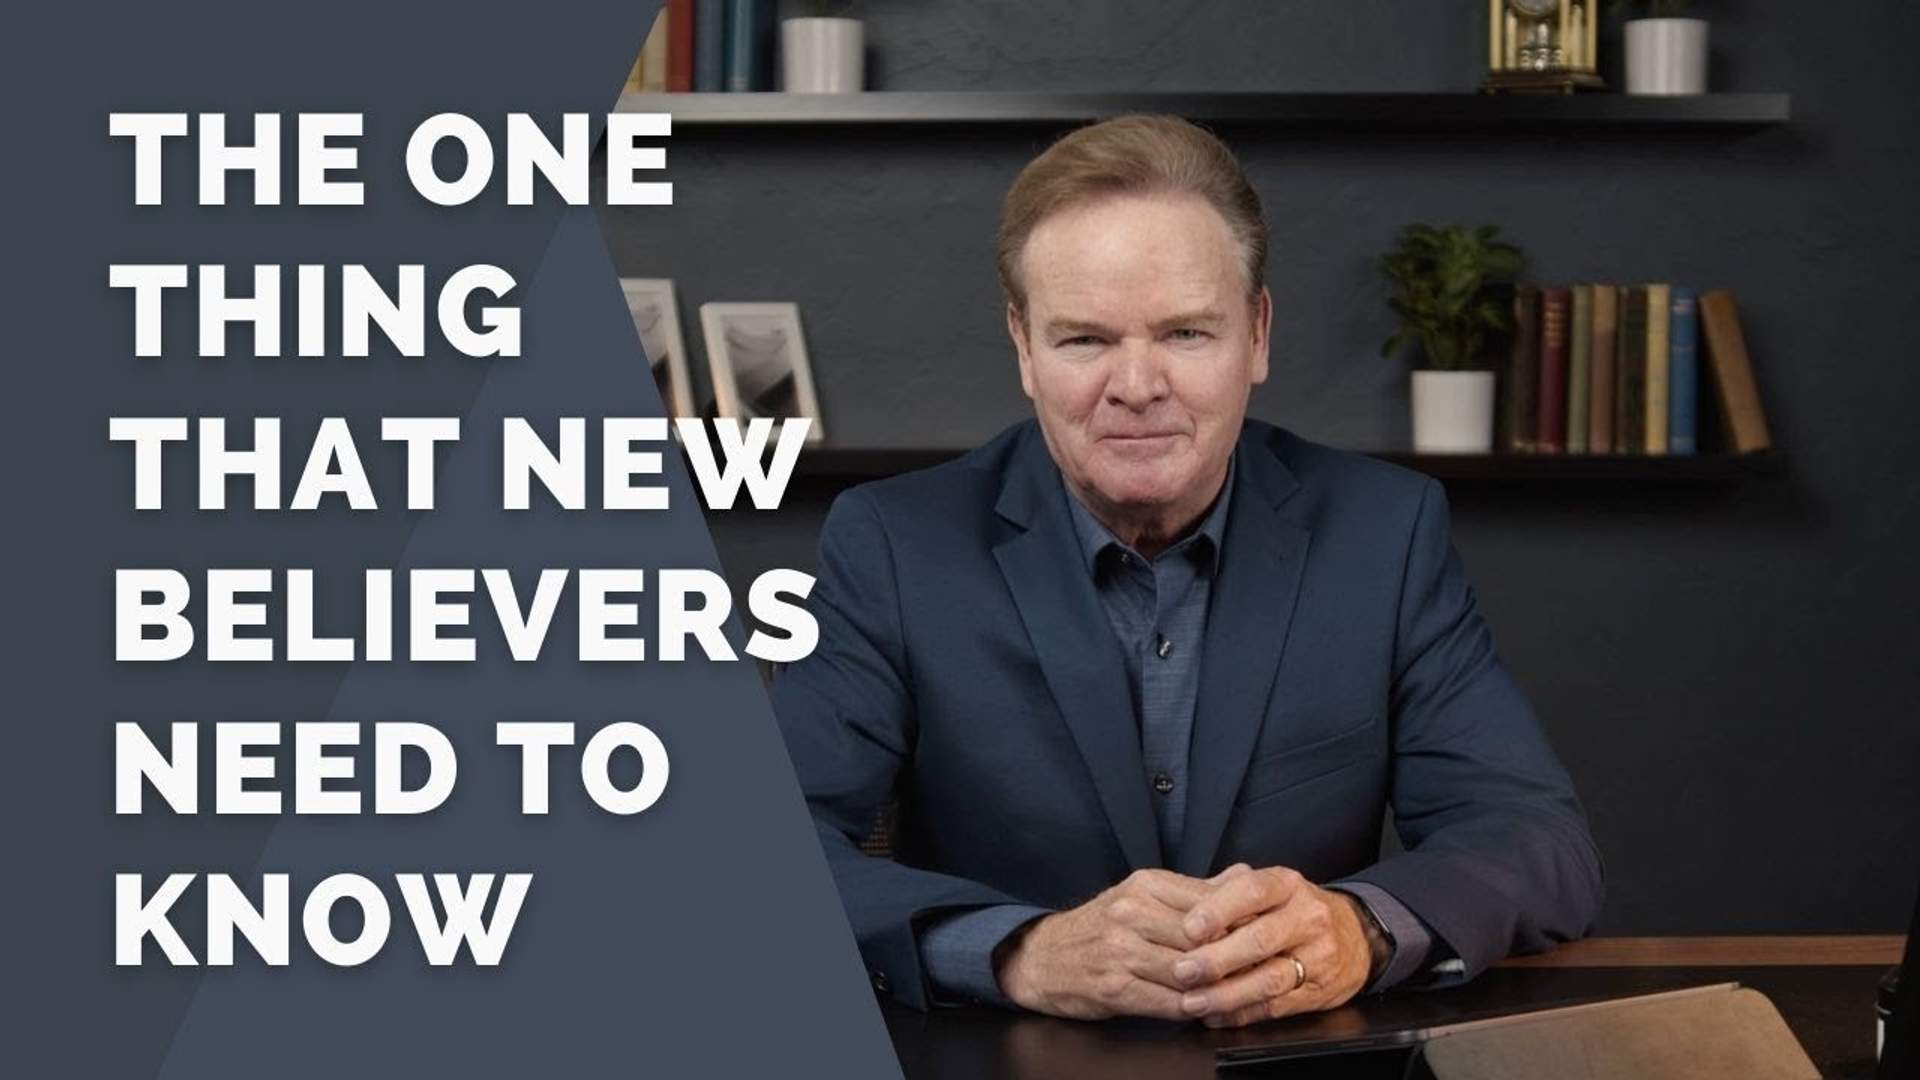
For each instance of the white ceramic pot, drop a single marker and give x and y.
(1667, 56)
(822, 56)
(1452, 412)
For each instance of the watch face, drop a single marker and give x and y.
(1534, 9)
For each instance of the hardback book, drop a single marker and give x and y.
(1630, 394)
(1550, 433)
(709, 45)
(1732, 373)
(1579, 369)
(749, 60)
(1606, 316)
(679, 46)
(1683, 379)
(653, 56)
(1521, 416)
(1659, 319)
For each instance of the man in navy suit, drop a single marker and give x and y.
(1142, 677)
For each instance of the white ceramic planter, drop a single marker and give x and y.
(822, 56)
(1452, 412)
(1667, 56)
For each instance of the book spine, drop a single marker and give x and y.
(1683, 378)
(1732, 371)
(1579, 369)
(1496, 10)
(1630, 397)
(1550, 436)
(1523, 372)
(709, 45)
(653, 56)
(1606, 319)
(1659, 320)
(636, 75)
(749, 46)
(679, 46)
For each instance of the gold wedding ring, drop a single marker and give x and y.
(1299, 972)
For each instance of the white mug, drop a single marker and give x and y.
(822, 56)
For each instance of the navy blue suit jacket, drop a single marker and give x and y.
(966, 670)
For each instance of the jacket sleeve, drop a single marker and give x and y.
(847, 713)
(1498, 856)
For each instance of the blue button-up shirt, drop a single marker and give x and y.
(1158, 610)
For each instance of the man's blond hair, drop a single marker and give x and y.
(1131, 155)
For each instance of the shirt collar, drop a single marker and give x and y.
(1095, 538)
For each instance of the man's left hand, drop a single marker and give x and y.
(1251, 929)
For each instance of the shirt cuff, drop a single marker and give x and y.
(957, 952)
(1412, 941)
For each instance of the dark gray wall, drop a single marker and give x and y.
(1730, 673)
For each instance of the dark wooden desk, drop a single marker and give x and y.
(1828, 1005)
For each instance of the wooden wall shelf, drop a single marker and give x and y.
(1535, 468)
(852, 466)
(1325, 113)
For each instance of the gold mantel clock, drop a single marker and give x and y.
(1541, 46)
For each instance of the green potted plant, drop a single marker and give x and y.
(1666, 52)
(1450, 291)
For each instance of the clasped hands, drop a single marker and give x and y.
(1220, 950)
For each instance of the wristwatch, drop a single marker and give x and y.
(1380, 943)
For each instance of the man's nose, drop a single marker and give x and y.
(1140, 379)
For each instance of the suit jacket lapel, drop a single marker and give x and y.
(1261, 562)
(1070, 636)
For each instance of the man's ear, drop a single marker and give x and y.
(1017, 330)
(1262, 335)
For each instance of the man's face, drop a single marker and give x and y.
(1139, 349)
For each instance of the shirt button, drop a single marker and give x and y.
(1162, 647)
(1163, 783)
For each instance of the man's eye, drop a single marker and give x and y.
(1083, 339)
(1188, 333)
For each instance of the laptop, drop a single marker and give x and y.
(1400, 1039)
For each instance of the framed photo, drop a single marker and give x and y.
(656, 315)
(759, 362)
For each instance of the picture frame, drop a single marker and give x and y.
(655, 308)
(758, 356)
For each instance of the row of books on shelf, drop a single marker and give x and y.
(1606, 369)
(710, 46)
